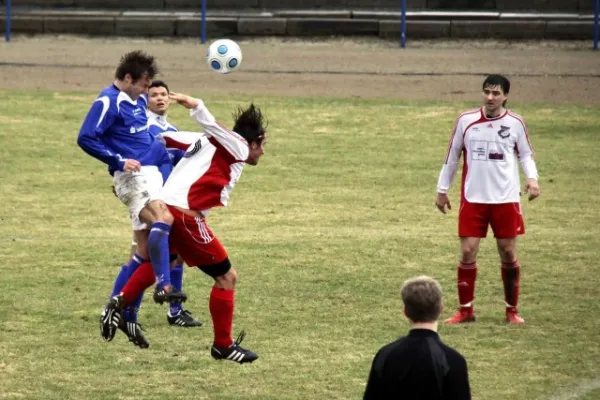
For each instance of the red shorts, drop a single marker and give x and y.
(505, 219)
(193, 240)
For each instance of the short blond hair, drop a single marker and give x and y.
(422, 298)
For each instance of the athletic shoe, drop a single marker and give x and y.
(133, 330)
(183, 319)
(513, 317)
(111, 317)
(235, 352)
(173, 296)
(464, 314)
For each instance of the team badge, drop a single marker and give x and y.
(504, 131)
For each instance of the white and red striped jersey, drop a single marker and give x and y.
(208, 172)
(492, 149)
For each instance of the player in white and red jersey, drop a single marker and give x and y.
(493, 141)
(202, 180)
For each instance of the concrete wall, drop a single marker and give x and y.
(282, 23)
(500, 5)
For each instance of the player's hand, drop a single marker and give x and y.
(185, 100)
(442, 201)
(533, 188)
(131, 165)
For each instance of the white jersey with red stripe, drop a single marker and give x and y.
(208, 172)
(492, 149)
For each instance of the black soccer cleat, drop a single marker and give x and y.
(110, 318)
(161, 296)
(133, 330)
(235, 352)
(184, 319)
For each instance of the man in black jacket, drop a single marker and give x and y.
(419, 366)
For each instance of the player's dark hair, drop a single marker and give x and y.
(497, 80)
(160, 84)
(250, 124)
(137, 64)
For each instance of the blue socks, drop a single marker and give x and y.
(121, 280)
(158, 247)
(125, 272)
(131, 312)
(177, 282)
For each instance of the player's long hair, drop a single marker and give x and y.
(137, 64)
(250, 124)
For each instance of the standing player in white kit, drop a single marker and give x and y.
(494, 141)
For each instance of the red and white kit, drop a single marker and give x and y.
(490, 190)
(203, 179)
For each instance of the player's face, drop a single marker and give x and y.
(137, 88)
(256, 151)
(493, 99)
(158, 100)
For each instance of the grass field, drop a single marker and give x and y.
(323, 232)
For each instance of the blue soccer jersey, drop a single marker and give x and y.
(116, 129)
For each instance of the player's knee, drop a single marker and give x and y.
(167, 217)
(469, 253)
(228, 280)
(507, 255)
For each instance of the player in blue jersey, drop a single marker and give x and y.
(158, 125)
(115, 131)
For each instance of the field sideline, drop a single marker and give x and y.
(323, 232)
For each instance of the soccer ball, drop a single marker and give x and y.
(224, 56)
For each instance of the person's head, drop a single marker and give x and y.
(158, 97)
(422, 298)
(250, 124)
(135, 73)
(495, 93)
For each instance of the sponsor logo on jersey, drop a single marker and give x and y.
(133, 129)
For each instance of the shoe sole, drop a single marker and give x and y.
(465, 321)
(185, 325)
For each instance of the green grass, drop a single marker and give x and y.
(323, 233)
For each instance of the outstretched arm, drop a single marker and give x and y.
(234, 143)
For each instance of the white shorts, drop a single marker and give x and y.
(137, 189)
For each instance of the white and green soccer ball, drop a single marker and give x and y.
(224, 56)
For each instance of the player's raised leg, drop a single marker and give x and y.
(158, 217)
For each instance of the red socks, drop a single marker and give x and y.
(142, 279)
(221, 306)
(511, 274)
(467, 273)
